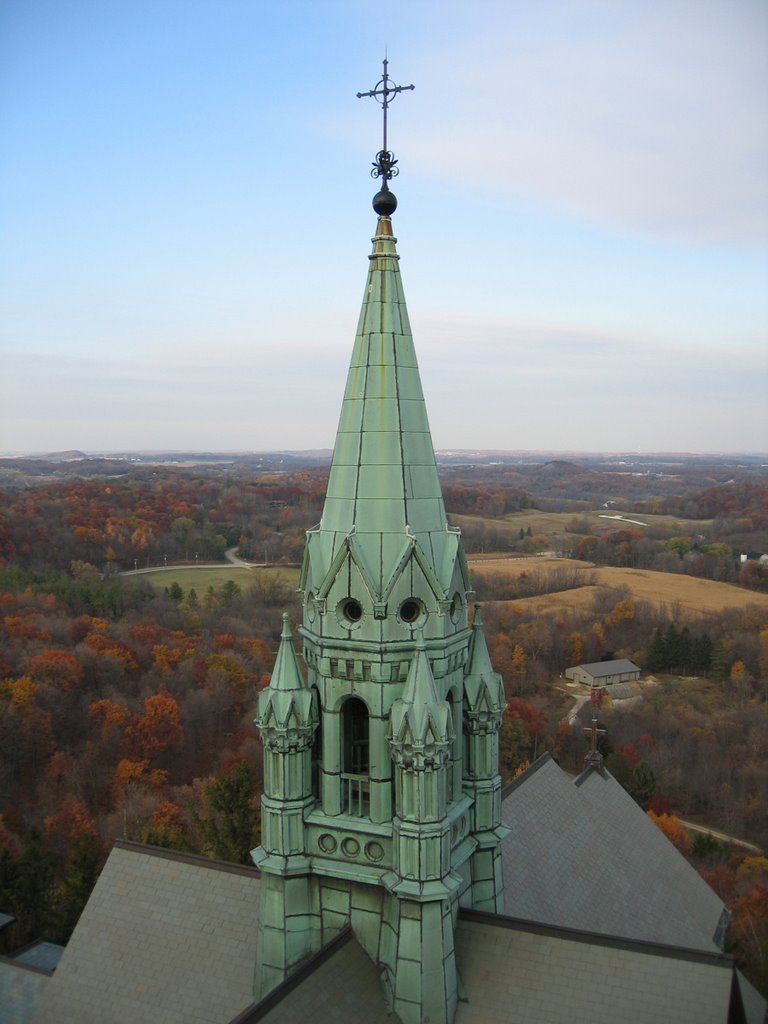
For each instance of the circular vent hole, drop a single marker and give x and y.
(410, 610)
(353, 610)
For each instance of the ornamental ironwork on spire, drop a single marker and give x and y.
(385, 164)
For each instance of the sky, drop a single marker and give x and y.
(185, 220)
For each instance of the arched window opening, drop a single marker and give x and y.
(317, 749)
(356, 766)
(455, 750)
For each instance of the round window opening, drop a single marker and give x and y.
(353, 610)
(410, 610)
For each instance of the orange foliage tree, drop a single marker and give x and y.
(672, 829)
(58, 668)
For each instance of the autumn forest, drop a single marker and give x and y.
(127, 698)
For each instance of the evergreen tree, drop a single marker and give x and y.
(701, 653)
(656, 658)
(718, 662)
(80, 873)
(642, 783)
(231, 829)
(672, 646)
(684, 650)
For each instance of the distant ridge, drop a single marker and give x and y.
(69, 456)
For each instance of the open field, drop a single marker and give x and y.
(205, 576)
(693, 595)
(601, 520)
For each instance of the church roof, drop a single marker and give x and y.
(526, 974)
(171, 938)
(583, 855)
(21, 989)
(164, 937)
(338, 985)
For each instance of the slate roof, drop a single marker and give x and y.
(339, 985)
(171, 938)
(582, 855)
(45, 955)
(165, 938)
(520, 973)
(21, 989)
(524, 974)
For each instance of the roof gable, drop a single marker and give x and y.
(586, 856)
(164, 936)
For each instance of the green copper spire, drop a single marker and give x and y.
(383, 480)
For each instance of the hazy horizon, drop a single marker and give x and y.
(241, 452)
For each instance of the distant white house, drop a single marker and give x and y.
(604, 673)
(754, 556)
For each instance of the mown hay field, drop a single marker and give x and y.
(695, 596)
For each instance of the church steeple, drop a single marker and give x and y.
(401, 824)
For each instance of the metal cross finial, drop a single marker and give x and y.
(594, 757)
(384, 164)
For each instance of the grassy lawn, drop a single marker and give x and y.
(205, 576)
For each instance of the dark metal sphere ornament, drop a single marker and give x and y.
(385, 202)
(385, 165)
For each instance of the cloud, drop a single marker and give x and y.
(646, 116)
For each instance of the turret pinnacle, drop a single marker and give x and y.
(483, 687)
(287, 703)
(419, 720)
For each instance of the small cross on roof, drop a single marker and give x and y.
(594, 758)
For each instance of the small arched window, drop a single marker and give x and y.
(355, 718)
(355, 783)
(317, 747)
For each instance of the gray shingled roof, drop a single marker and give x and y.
(45, 955)
(21, 988)
(600, 669)
(338, 986)
(164, 938)
(171, 939)
(582, 854)
(527, 975)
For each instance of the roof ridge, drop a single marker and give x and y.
(598, 938)
(193, 859)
